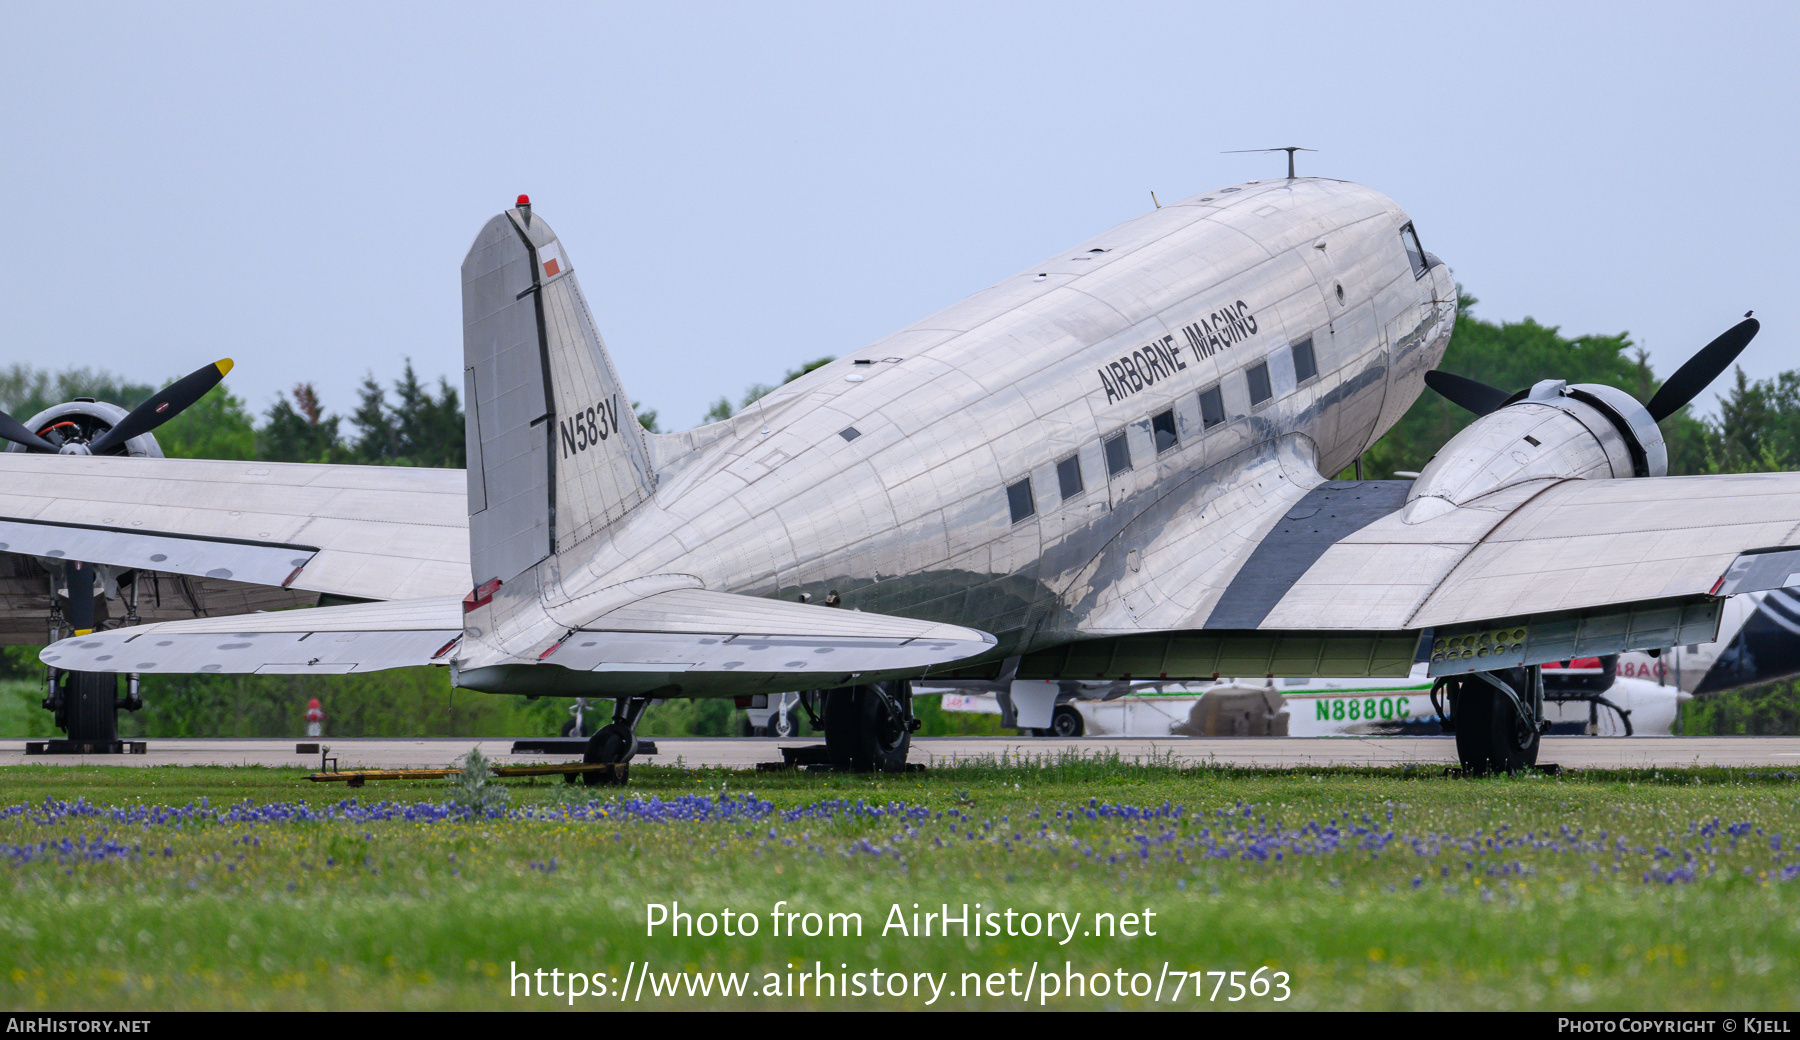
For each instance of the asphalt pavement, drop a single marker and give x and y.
(746, 752)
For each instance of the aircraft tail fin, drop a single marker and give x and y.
(555, 452)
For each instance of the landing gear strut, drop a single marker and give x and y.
(615, 744)
(869, 728)
(1498, 718)
(577, 726)
(86, 704)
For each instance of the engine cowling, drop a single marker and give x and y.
(1555, 431)
(82, 421)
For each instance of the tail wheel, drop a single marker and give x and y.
(1490, 735)
(90, 705)
(862, 734)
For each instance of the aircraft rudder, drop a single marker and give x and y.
(555, 450)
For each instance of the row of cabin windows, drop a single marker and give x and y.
(1162, 430)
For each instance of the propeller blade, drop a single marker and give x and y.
(16, 431)
(1701, 369)
(165, 405)
(1477, 397)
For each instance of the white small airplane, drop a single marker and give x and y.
(1576, 700)
(1114, 465)
(1637, 693)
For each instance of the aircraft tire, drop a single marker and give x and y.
(90, 705)
(1489, 736)
(783, 724)
(610, 745)
(860, 737)
(1065, 722)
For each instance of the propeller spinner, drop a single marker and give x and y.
(162, 406)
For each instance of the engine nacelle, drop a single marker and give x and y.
(1556, 431)
(84, 419)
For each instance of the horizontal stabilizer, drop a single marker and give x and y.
(361, 637)
(678, 631)
(687, 629)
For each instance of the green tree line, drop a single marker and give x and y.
(408, 424)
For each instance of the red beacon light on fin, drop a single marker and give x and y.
(524, 200)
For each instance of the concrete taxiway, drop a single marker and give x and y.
(746, 752)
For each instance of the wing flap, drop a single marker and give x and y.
(257, 563)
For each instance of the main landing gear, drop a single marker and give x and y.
(1498, 718)
(615, 744)
(86, 704)
(868, 729)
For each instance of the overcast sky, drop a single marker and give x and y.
(744, 187)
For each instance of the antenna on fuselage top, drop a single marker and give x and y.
(1290, 149)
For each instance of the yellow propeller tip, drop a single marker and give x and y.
(223, 365)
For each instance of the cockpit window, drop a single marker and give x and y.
(1414, 253)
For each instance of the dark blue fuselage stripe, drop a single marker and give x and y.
(1325, 516)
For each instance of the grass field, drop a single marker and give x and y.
(1400, 889)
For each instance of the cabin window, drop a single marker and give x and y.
(1212, 407)
(1068, 476)
(1018, 496)
(1305, 365)
(1414, 253)
(1258, 377)
(1118, 454)
(1162, 429)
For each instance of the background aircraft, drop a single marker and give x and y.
(1316, 707)
(1636, 693)
(1110, 466)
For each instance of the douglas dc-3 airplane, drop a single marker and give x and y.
(1116, 464)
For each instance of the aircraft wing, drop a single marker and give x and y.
(680, 631)
(1553, 546)
(1539, 571)
(365, 532)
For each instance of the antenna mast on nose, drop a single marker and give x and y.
(1290, 150)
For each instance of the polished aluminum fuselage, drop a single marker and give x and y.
(883, 478)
